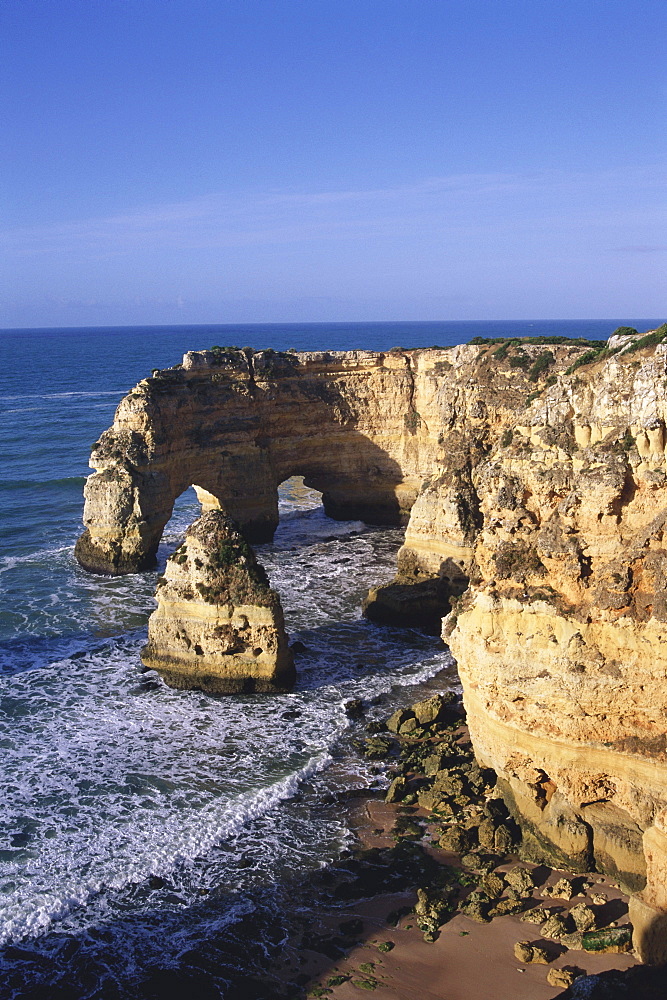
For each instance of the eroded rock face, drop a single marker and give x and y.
(561, 639)
(235, 426)
(218, 625)
(537, 501)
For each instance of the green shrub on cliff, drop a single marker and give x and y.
(412, 420)
(650, 340)
(587, 358)
(540, 364)
(519, 360)
(501, 352)
(573, 341)
(229, 553)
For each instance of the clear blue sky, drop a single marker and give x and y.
(187, 161)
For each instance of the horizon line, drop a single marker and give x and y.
(287, 323)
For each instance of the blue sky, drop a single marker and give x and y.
(213, 161)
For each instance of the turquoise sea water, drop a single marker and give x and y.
(139, 824)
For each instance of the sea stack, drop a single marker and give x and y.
(218, 625)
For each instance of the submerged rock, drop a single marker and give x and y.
(407, 603)
(218, 625)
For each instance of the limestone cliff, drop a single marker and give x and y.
(235, 425)
(560, 639)
(372, 431)
(533, 479)
(218, 625)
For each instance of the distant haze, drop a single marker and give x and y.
(260, 161)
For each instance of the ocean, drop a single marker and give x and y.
(145, 830)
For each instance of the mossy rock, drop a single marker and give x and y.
(610, 940)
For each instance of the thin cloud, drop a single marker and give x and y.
(641, 249)
(456, 204)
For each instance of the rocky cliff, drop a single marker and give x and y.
(533, 479)
(235, 425)
(218, 625)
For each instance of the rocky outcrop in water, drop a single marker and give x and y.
(218, 625)
(533, 478)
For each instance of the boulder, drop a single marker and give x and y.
(493, 884)
(397, 790)
(435, 709)
(400, 716)
(487, 834)
(507, 906)
(563, 977)
(503, 841)
(554, 927)
(523, 951)
(521, 880)
(584, 917)
(457, 839)
(564, 888)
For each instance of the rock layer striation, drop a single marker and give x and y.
(533, 479)
(218, 624)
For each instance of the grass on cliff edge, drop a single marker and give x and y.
(597, 350)
(574, 341)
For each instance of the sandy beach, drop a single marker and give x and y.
(468, 961)
(376, 944)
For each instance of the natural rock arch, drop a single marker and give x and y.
(235, 428)
(547, 491)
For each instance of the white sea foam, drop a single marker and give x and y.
(63, 395)
(110, 777)
(149, 844)
(41, 556)
(19, 409)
